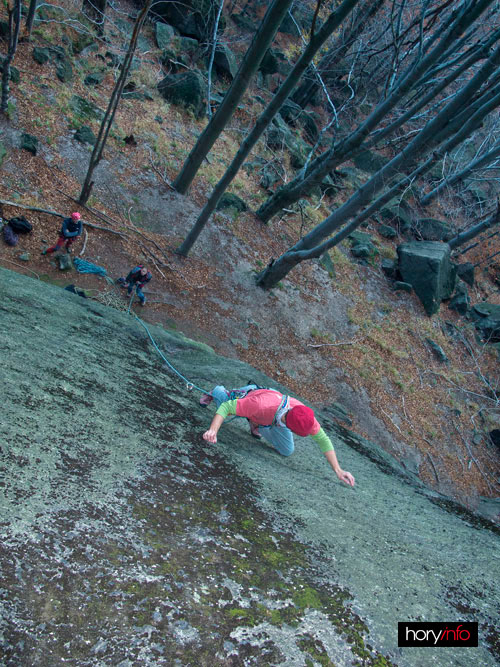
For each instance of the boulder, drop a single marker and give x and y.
(295, 116)
(29, 143)
(389, 267)
(64, 261)
(486, 317)
(85, 109)
(466, 273)
(40, 55)
(230, 200)
(94, 78)
(64, 72)
(387, 232)
(185, 89)
(270, 64)
(430, 229)
(369, 161)
(427, 267)
(437, 351)
(461, 300)
(225, 62)
(85, 135)
(280, 136)
(398, 213)
(163, 34)
(192, 18)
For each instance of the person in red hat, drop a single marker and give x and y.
(70, 230)
(274, 416)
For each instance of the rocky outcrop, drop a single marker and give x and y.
(427, 267)
(127, 539)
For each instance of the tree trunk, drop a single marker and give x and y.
(107, 121)
(355, 142)
(486, 159)
(30, 18)
(309, 245)
(14, 25)
(249, 66)
(471, 233)
(212, 56)
(266, 117)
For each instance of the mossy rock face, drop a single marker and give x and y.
(360, 238)
(163, 34)
(85, 135)
(230, 200)
(64, 72)
(85, 109)
(185, 89)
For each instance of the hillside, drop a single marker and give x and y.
(342, 339)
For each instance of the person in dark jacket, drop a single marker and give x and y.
(137, 278)
(70, 230)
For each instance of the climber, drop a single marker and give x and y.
(70, 230)
(273, 415)
(137, 278)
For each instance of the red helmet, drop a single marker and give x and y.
(75, 216)
(300, 420)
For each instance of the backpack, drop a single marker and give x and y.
(20, 225)
(9, 235)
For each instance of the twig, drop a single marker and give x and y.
(4, 259)
(84, 243)
(433, 466)
(157, 171)
(349, 342)
(153, 259)
(31, 208)
(392, 420)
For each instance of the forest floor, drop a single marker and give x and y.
(347, 338)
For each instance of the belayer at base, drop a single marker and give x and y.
(274, 415)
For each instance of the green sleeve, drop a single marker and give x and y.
(324, 442)
(227, 408)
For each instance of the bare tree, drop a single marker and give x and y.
(14, 14)
(249, 66)
(30, 17)
(427, 56)
(316, 41)
(108, 118)
(448, 122)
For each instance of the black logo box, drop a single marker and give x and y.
(437, 634)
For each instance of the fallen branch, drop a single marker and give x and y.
(84, 243)
(4, 259)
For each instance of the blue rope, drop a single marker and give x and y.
(82, 266)
(190, 385)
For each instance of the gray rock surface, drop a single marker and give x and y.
(125, 539)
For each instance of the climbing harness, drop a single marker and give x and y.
(283, 407)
